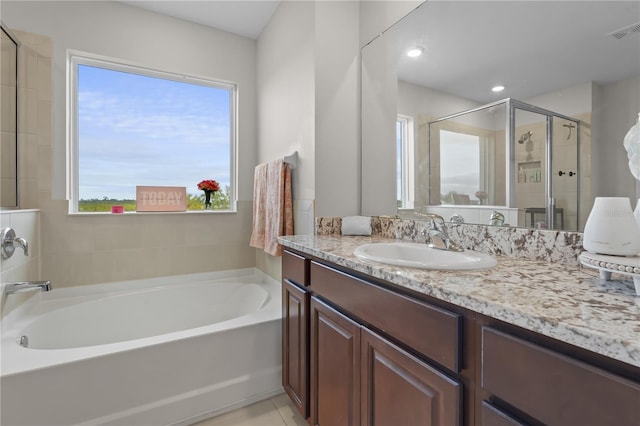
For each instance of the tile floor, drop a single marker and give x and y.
(276, 411)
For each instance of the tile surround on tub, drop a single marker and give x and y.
(553, 246)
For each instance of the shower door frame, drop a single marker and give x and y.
(512, 105)
(510, 172)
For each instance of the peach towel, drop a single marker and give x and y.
(272, 206)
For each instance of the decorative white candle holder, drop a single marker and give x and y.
(609, 264)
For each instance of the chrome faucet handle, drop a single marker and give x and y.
(21, 242)
(9, 241)
(456, 218)
(496, 219)
(437, 232)
(436, 222)
(439, 236)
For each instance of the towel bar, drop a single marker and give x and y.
(292, 159)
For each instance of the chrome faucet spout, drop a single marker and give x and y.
(24, 286)
(439, 236)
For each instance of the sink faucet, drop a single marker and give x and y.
(438, 234)
(23, 286)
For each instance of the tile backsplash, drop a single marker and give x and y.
(548, 245)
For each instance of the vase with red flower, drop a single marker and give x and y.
(209, 186)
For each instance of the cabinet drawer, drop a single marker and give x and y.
(553, 388)
(492, 416)
(295, 268)
(430, 330)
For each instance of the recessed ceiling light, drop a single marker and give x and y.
(414, 52)
(497, 88)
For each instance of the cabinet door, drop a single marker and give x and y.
(295, 345)
(400, 389)
(335, 367)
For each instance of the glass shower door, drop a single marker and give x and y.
(564, 172)
(531, 171)
(546, 163)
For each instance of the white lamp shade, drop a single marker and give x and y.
(611, 228)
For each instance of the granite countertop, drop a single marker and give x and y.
(566, 302)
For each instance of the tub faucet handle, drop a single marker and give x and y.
(21, 242)
(9, 242)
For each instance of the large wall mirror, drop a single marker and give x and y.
(9, 120)
(437, 139)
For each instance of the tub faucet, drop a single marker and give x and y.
(9, 243)
(439, 236)
(23, 286)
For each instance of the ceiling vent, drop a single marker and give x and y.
(626, 31)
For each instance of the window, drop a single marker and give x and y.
(459, 167)
(404, 161)
(133, 126)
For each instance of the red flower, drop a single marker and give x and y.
(209, 185)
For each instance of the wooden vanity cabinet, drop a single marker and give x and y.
(357, 375)
(295, 330)
(359, 352)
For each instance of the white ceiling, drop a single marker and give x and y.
(532, 47)
(243, 17)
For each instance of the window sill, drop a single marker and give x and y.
(190, 212)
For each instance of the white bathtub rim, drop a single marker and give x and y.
(78, 294)
(114, 287)
(16, 359)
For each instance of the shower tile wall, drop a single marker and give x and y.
(34, 118)
(8, 92)
(530, 191)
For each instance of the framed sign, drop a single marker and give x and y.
(161, 198)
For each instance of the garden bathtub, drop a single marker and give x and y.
(170, 350)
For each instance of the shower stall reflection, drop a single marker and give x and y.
(509, 155)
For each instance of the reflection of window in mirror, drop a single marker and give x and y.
(460, 165)
(404, 161)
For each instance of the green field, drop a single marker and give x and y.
(219, 201)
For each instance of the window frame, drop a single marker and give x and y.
(407, 177)
(76, 58)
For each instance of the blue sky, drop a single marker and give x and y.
(139, 130)
(459, 163)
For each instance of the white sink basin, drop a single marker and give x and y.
(421, 256)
